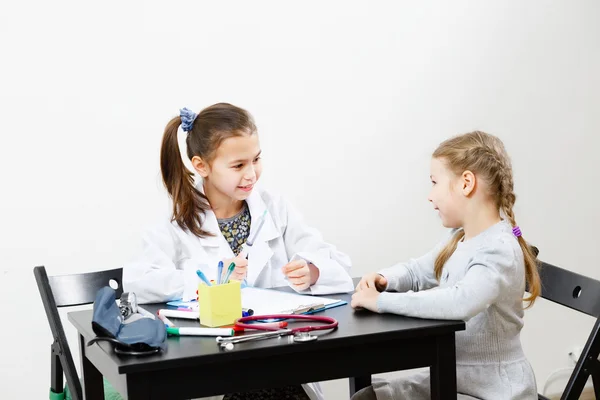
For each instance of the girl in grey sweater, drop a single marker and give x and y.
(477, 274)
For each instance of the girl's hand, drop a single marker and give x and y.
(300, 274)
(365, 298)
(241, 268)
(372, 281)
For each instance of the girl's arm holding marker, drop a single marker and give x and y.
(241, 268)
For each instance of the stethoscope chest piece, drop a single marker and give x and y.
(303, 337)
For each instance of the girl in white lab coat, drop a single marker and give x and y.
(214, 215)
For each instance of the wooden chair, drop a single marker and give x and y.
(582, 294)
(68, 291)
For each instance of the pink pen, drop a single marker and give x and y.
(184, 309)
(165, 320)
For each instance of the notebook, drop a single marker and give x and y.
(269, 301)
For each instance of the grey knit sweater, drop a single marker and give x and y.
(482, 283)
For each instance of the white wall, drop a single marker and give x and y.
(350, 99)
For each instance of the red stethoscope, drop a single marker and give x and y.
(300, 334)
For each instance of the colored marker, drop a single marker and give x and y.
(219, 272)
(165, 320)
(276, 325)
(178, 314)
(200, 331)
(229, 272)
(203, 277)
(248, 311)
(246, 246)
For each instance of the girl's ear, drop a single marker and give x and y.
(468, 182)
(201, 166)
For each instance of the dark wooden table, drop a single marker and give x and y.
(365, 343)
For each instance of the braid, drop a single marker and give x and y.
(507, 199)
(507, 196)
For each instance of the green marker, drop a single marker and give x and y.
(229, 272)
(193, 331)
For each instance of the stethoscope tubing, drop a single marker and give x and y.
(327, 322)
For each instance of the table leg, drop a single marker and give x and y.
(93, 387)
(139, 388)
(443, 372)
(359, 382)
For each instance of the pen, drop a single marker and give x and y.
(219, 272)
(279, 325)
(203, 277)
(246, 246)
(165, 320)
(249, 311)
(193, 331)
(229, 272)
(178, 314)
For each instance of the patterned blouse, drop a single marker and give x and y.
(236, 229)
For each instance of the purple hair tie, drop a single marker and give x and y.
(517, 231)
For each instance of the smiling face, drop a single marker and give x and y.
(234, 169)
(447, 194)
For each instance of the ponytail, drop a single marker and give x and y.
(189, 204)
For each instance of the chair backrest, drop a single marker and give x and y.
(65, 291)
(579, 293)
(570, 289)
(79, 289)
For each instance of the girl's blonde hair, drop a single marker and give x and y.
(485, 156)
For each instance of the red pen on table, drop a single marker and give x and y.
(280, 325)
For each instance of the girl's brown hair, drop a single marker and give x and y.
(485, 156)
(209, 129)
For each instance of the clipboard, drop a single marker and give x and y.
(268, 301)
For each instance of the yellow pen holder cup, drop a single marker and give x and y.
(220, 304)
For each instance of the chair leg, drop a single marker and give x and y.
(586, 365)
(596, 383)
(358, 382)
(56, 373)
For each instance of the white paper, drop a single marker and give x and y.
(265, 301)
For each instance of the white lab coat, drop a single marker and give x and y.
(165, 269)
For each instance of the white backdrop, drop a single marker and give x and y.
(350, 99)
